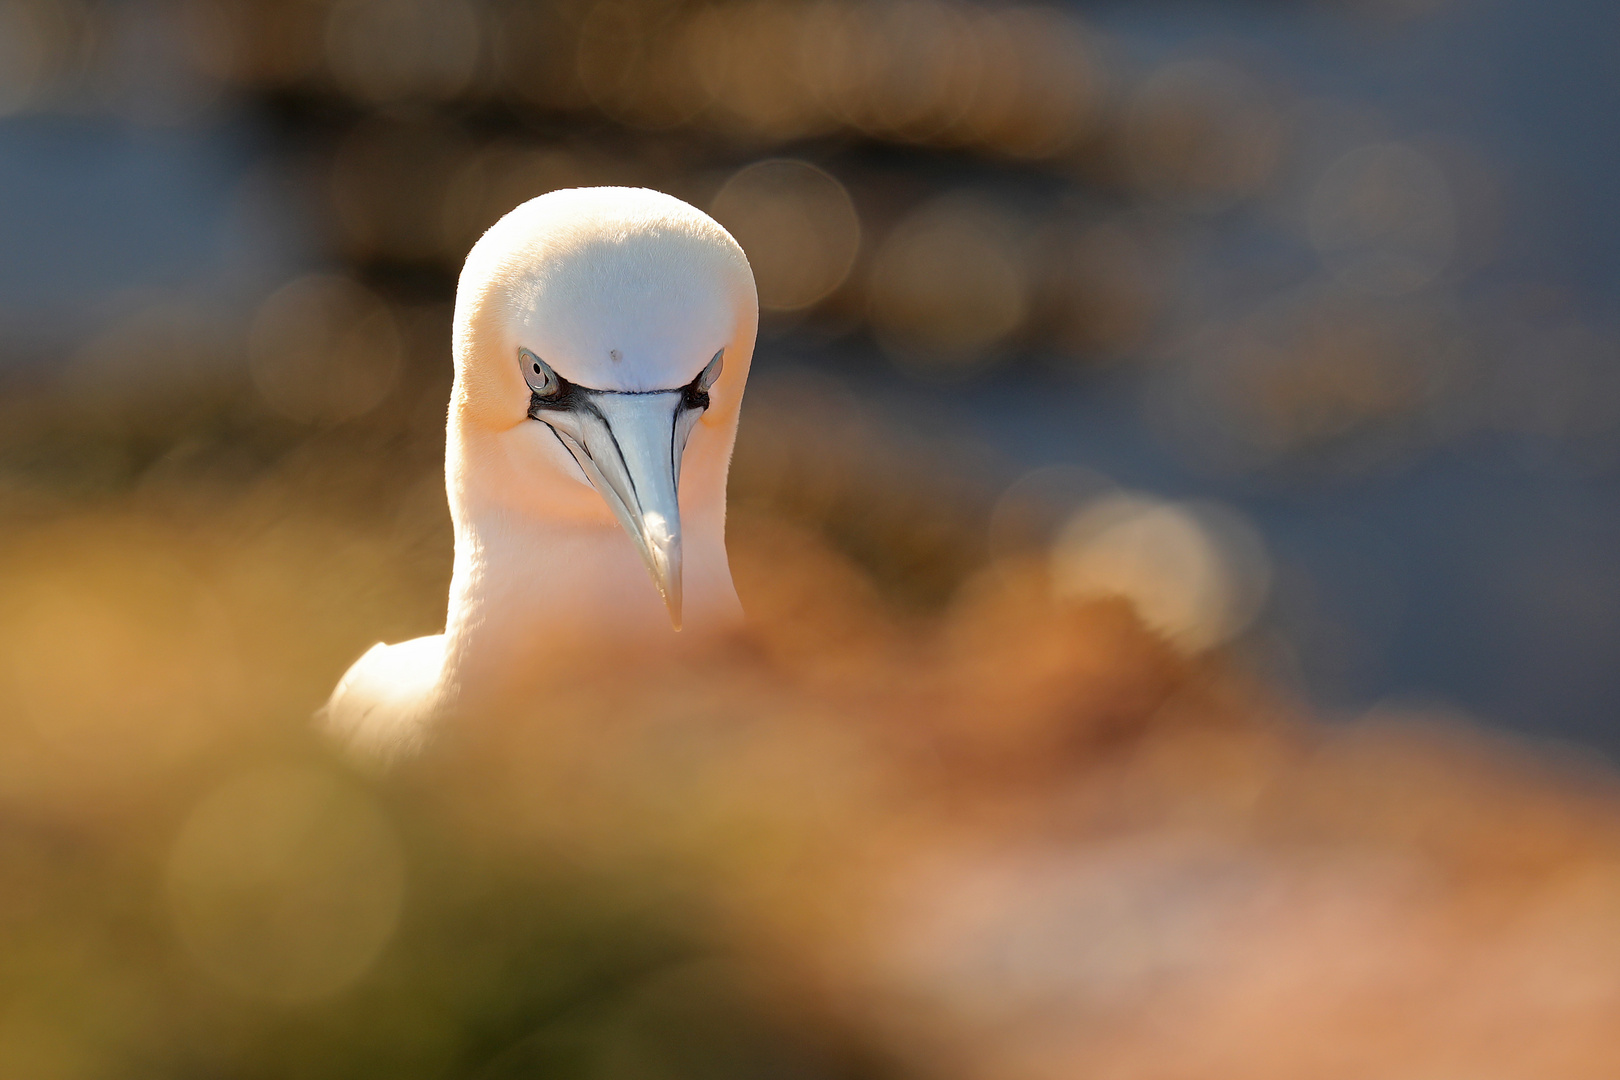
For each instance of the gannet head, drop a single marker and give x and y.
(602, 340)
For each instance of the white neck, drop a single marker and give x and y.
(530, 593)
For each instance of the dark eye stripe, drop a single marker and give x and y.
(693, 398)
(565, 396)
(556, 392)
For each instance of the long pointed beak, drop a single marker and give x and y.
(629, 446)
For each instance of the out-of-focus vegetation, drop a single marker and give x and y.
(980, 794)
(1022, 835)
(195, 885)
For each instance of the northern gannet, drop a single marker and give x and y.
(602, 340)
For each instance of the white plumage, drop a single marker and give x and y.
(602, 341)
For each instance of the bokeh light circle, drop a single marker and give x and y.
(387, 51)
(1195, 572)
(949, 285)
(1383, 219)
(797, 225)
(286, 882)
(323, 349)
(1201, 133)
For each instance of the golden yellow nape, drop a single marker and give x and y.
(602, 340)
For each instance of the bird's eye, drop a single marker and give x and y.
(538, 374)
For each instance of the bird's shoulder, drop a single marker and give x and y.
(384, 703)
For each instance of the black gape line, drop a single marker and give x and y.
(549, 391)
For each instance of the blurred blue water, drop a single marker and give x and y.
(1532, 84)
(99, 216)
(93, 206)
(1488, 573)
(1475, 577)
